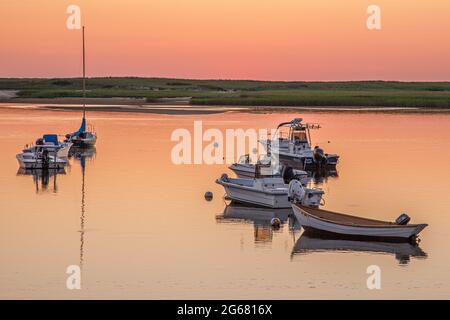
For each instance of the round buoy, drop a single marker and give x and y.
(208, 196)
(275, 223)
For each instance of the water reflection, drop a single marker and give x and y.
(317, 176)
(321, 176)
(260, 217)
(82, 155)
(42, 178)
(310, 242)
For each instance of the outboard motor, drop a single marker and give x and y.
(224, 177)
(45, 159)
(296, 191)
(319, 156)
(288, 174)
(403, 219)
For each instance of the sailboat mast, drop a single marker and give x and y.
(84, 78)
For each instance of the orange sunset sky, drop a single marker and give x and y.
(233, 39)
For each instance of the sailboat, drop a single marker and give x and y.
(83, 137)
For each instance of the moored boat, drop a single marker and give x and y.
(329, 222)
(269, 192)
(292, 141)
(83, 137)
(244, 168)
(52, 144)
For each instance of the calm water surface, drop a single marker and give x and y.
(140, 227)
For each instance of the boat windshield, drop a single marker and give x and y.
(245, 159)
(264, 159)
(299, 136)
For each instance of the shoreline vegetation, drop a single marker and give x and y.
(248, 94)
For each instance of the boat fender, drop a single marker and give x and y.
(403, 219)
(296, 191)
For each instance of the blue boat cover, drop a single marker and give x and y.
(53, 138)
(81, 130)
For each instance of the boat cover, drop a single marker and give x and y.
(53, 138)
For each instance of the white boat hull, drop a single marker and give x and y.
(39, 164)
(63, 152)
(398, 231)
(248, 171)
(261, 198)
(243, 171)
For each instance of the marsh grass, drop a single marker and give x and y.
(244, 92)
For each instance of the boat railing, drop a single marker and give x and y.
(312, 125)
(91, 128)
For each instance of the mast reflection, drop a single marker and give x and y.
(82, 155)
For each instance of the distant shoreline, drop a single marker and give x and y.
(117, 105)
(250, 95)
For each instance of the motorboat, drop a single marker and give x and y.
(292, 141)
(244, 168)
(328, 222)
(40, 158)
(310, 242)
(269, 192)
(52, 144)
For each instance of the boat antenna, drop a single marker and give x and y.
(84, 77)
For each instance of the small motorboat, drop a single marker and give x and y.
(244, 168)
(269, 192)
(309, 242)
(292, 141)
(41, 158)
(52, 144)
(329, 222)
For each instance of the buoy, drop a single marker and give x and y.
(208, 195)
(275, 222)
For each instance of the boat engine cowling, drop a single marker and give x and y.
(224, 177)
(319, 156)
(296, 191)
(403, 219)
(287, 174)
